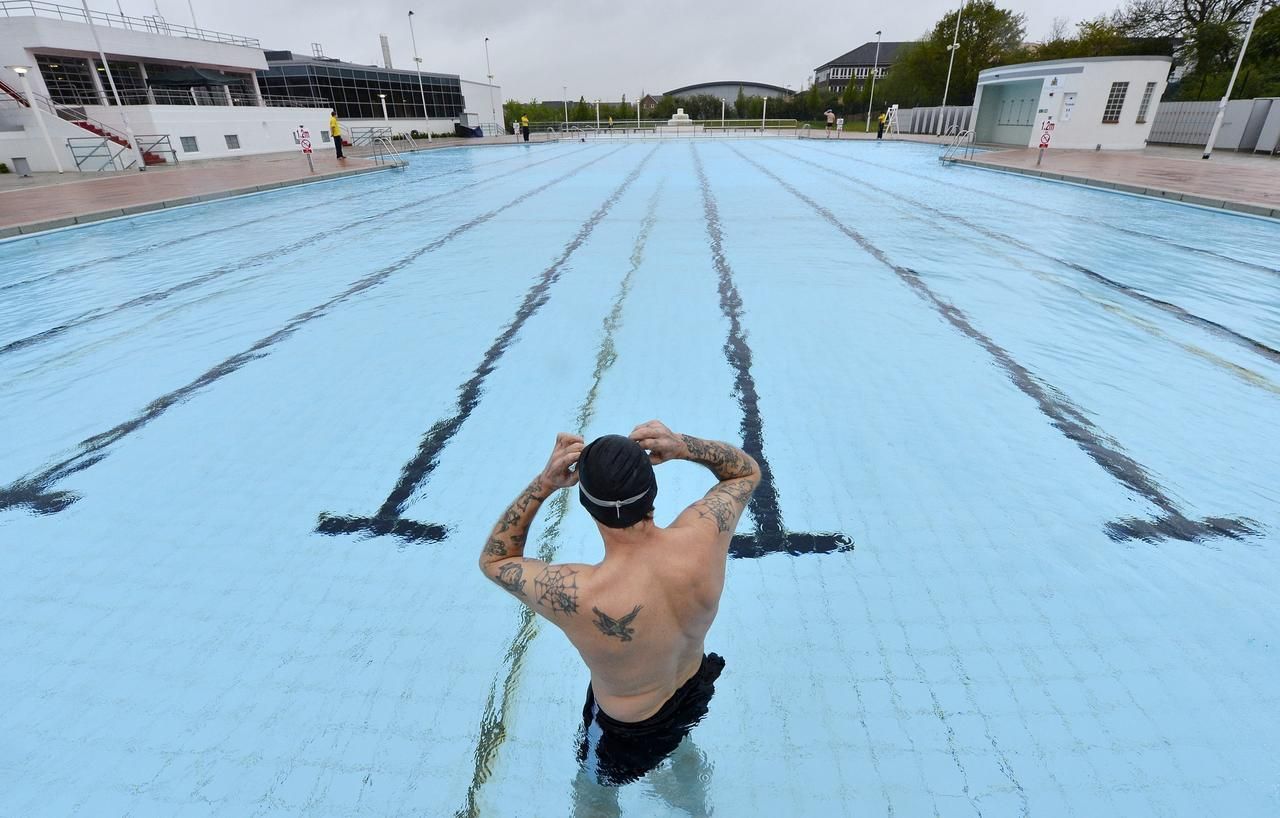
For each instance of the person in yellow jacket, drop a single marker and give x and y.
(880, 130)
(524, 127)
(335, 130)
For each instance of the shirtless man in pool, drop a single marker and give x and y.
(639, 616)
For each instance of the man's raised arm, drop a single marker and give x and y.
(502, 559)
(737, 471)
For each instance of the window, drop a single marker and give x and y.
(860, 73)
(1146, 102)
(1115, 102)
(189, 144)
(233, 141)
(68, 80)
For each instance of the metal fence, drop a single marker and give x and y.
(150, 25)
(1251, 125)
(935, 119)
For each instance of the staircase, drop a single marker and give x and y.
(147, 156)
(19, 97)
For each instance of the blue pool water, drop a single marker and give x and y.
(1017, 555)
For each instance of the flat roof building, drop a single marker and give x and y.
(190, 93)
(1095, 102)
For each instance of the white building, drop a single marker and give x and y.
(187, 93)
(1098, 102)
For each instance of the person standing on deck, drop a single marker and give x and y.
(880, 129)
(831, 121)
(335, 130)
(639, 617)
(524, 127)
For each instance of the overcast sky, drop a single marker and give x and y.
(598, 48)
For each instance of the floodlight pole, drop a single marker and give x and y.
(1222, 104)
(128, 129)
(597, 115)
(872, 99)
(955, 44)
(723, 103)
(21, 71)
(493, 109)
(417, 62)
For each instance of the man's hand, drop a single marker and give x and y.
(556, 474)
(661, 443)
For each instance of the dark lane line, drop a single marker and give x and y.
(150, 248)
(1072, 421)
(252, 262)
(1101, 300)
(1040, 209)
(387, 519)
(770, 535)
(33, 491)
(1251, 344)
(493, 721)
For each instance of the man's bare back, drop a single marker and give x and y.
(638, 617)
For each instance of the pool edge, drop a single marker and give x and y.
(1194, 200)
(28, 229)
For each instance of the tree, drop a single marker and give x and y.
(740, 104)
(989, 36)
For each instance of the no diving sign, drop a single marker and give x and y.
(304, 139)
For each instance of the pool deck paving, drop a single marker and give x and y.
(1230, 181)
(49, 201)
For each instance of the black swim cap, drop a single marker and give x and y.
(615, 481)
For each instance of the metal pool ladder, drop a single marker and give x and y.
(385, 153)
(961, 144)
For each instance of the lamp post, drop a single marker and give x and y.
(21, 71)
(383, 98)
(597, 115)
(417, 62)
(493, 109)
(124, 118)
(955, 44)
(1222, 104)
(723, 103)
(872, 99)
(566, 106)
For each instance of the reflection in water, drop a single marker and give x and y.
(681, 783)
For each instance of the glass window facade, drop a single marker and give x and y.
(353, 90)
(68, 80)
(129, 82)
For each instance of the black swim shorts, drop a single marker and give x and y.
(619, 752)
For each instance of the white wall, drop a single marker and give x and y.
(21, 37)
(261, 130)
(1090, 80)
(475, 100)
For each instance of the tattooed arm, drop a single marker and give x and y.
(736, 470)
(548, 589)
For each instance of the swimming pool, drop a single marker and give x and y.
(1015, 555)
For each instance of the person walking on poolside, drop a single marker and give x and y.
(524, 127)
(335, 130)
(639, 617)
(831, 122)
(880, 129)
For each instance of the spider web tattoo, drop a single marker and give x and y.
(557, 589)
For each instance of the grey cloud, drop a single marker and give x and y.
(597, 48)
